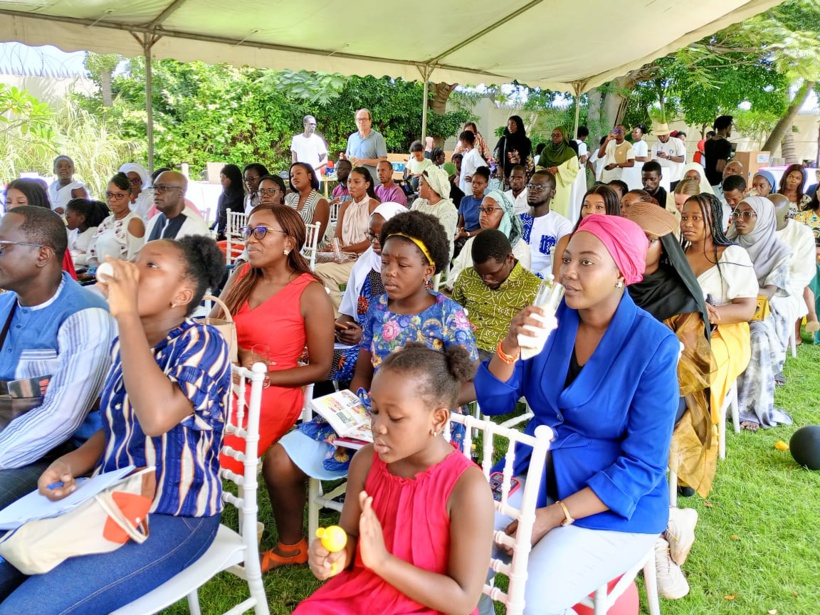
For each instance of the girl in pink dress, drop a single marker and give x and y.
(419, 514)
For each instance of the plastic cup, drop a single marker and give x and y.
(548, 298)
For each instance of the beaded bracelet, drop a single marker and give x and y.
(506, 358)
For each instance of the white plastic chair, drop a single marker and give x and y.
(317, 499)
(311, 244)
(233, 235)
(237, 553)
(334, 212)
(792, 343)
(604, 600)
(730, 404)
(516, 571)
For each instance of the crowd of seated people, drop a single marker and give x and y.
(702, 288)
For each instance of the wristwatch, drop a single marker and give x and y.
(568, 519)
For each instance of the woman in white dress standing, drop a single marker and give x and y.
(632, 175)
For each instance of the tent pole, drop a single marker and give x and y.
(147, 43)
(577, 110)
(426, 74)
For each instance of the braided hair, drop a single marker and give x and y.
(712, 211)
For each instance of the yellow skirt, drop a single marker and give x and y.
(731, 347)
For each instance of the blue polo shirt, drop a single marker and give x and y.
(372, 146)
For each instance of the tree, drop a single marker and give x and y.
(102, 67)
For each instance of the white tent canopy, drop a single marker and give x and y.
(565, 45)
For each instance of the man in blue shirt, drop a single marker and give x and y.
(366, 147)
(54, 327)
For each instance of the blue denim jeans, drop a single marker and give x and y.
(95, 584)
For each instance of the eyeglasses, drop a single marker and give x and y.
(362, 119)
(4, 243)
(136, 181)
(746, 215)
(537, 187)
(371, 236)
(250, 180)
(258, 232)
(161, 188)
(115, 196)
(489, 210)
(269, 191)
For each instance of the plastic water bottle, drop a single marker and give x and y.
(548, 298)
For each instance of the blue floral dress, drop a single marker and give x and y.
(440, 326)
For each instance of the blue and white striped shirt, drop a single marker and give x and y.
(68, 337)
(195, 356)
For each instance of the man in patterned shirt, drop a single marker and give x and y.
(53, 327)
(494, 289)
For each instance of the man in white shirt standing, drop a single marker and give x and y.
(670, 153)
(518, 189)
(616, 153)
(542, 227)
(309, 147)
(176, 219)
(470, 162)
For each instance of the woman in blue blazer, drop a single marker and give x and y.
(606, 383)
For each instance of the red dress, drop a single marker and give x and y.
(278, 324)
(416, 527)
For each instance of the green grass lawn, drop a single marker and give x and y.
(757, 539)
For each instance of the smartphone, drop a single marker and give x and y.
(496, 480)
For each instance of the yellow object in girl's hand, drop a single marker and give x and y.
(334, 539)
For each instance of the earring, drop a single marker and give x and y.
(619, 284)
(287, 252)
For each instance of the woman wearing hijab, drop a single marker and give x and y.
(670, 292)
(514, 148)
(606, 383)
(434, 199)
(497, 212)
(562, 161)
(754, 228)
(763, 183)
(142, 196)
(365, 282)
(232, 198)
(695, 171)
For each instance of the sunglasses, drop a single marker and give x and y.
(258, 232)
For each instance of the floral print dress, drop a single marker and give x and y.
(440, 326)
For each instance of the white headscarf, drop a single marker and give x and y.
(762, 244)
(704, 183)
(367, 262)
(385, 210)
(133, 167)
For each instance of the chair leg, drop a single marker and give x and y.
(314, 491)
(722, 431)
(793, 344)
(601, 600)
(651, 582)
(257, 589)
(734, 409)
(193, 603)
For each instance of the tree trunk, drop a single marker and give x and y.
(438, 104)
(784, 124)
(787, 148)
(105, 87)
(594, 110)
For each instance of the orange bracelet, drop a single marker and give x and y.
(506, 358)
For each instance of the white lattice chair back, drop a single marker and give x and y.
(237, 553)
(311, 243)
(233, 233)
(334, 212)
(487, 433)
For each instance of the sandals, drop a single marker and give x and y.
(270, 559)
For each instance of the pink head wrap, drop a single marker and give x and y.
(625, 241)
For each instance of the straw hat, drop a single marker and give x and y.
(660, 130)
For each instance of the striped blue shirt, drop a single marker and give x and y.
(68, 338)
(195, 356)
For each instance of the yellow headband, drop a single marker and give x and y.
(418, 242)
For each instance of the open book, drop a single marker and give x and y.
(346, 414)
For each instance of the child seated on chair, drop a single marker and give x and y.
(419, 514)
(414, 247)
(162, 404)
